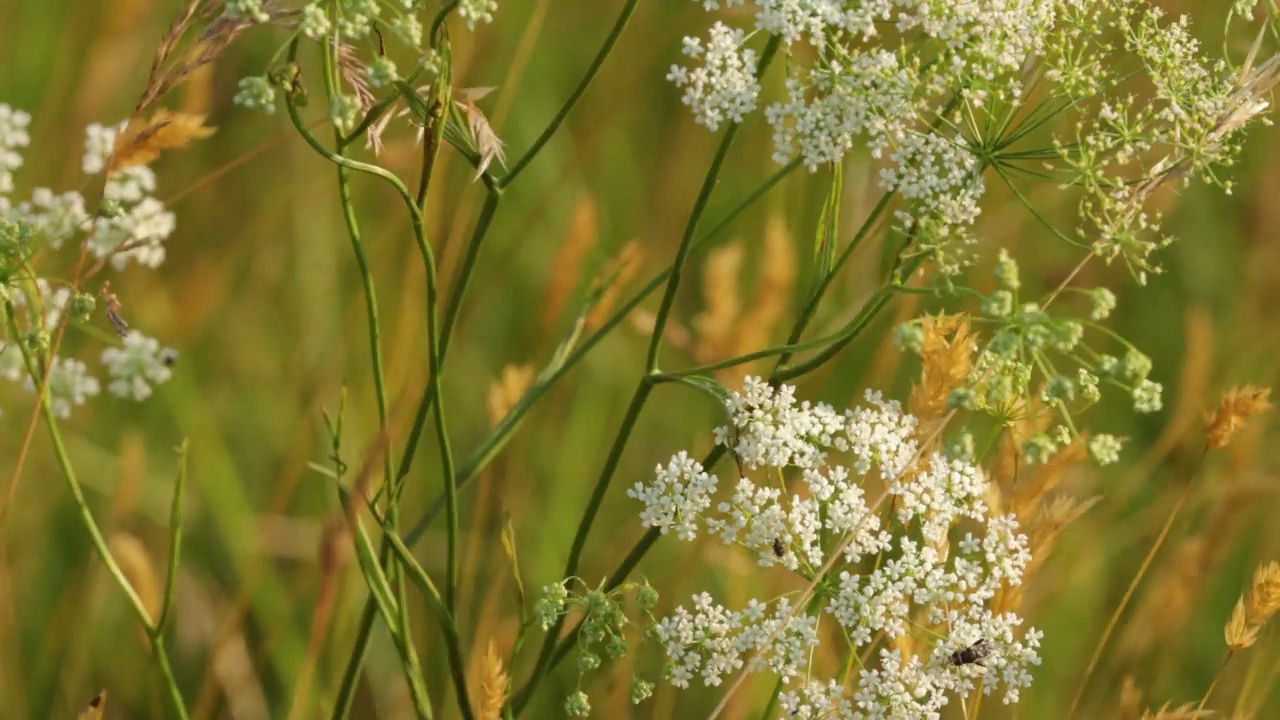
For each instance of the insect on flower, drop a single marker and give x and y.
(778, 548)
(973, 654)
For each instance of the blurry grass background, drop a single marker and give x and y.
(260, 296)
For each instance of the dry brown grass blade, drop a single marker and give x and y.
(507, 390)
(170, 67)
(493, 685)
(715, 326)
(142, 142)
(946, 360)
(769, 305)
(1186, 711)
(138, 567)
(97, 706)
(566, 268)
(619, 274)
(1237, 406)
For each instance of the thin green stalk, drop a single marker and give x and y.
(100, 545)
(584, 528)
(691, 227)
(175, 539)
(461, 281)
(559, 117)
(381, 592)
(497, 438)
(811, 305)
(342, 707)
(453, 644)
(643, 388)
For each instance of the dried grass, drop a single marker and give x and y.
(507, 390)
(566, 268)
(1254, 608)
(142, 142)
(715, 326)
(493, 685)
(946, 360)
(612, 281)
(1237, 406)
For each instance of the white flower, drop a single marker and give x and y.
(136, 366)
(251, 10)
(54, 218)
(137, 235)
(13, 137)
(677, 497)
(70, 384)
(724, 87)
(315, 21)
(256, 92)
(940, 560)
(1105, 449)
(99, 141)
(712, 641)
(477, 11)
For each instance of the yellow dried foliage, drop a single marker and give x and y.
(142, 142)
(1254, 608)
(715, 326)
(1237, 405)
(946, 359)
(507, 390)
(493, 685)
(615, 278)
(566, 268)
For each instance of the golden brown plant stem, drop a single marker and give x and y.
(1133, 586)
(1216, 677)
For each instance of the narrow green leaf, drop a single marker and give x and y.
(828, 227)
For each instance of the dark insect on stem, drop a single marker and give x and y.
(113, 310)
(778, 548)
(973, 654)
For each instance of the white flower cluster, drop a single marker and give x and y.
(13, 137)
(725, 85)
(131, 227)
(867, 87)
(930, 576)
(712, 641)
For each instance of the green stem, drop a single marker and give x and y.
(497, 438)
(691, 227)
(590, 75)
(811, 306)
(100, 544)
(642, 391)
(452, 310)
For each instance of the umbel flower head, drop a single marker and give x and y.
(913, 589)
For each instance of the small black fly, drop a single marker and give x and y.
(778, 548)
(973, 654)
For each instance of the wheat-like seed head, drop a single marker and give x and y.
(493, 685)
(1254, 608)
(946, 359)
(1237, 405)
(142, 142)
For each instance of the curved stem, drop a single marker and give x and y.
(559, 117)
(100, 545)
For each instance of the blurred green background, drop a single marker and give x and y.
(261, 298)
